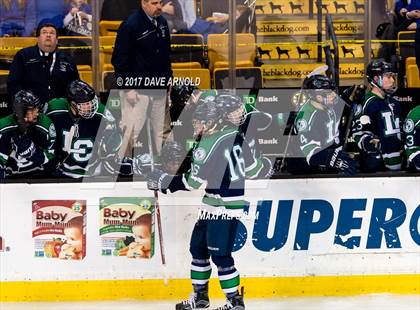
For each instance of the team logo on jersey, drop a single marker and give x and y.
(199, 154)
(364, 120)
(51, 131)
(301, 124)
(299, 99)
(408, 125)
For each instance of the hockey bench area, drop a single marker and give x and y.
(301, 237)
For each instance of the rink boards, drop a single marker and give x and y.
(300, 237)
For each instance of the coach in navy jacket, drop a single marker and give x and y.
(142, 48)
(42, 69)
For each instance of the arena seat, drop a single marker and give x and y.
(77, 48)
(109, 27)
(413, 79)
(106, 46)
(187, 50)
(9, 46)
(218, 50)
(248, 77)
(202, 74)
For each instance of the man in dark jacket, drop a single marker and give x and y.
(142, 49)
(141, 60)
(42, 68)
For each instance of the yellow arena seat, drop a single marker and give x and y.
(201, 75)
(9, 46)
(106, 46)
(187, 50)
(86, 76)
(218, 50)
(413, 79)
(109, 27)
(247, 77)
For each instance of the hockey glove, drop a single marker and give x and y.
(25, 148)
(371, 145)
(157, 180)
(415, 162)
(343, 162)
(110, 142)
(142, 164)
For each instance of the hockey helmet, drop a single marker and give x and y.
(83, 99)
(172, 156)
(377, 70)
(24, 101)
(232, 108)
(206, 117)
(320, 85)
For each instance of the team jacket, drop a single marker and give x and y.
(142, 50)
(412, 135)
(42, 135)
(79, 139)
(380, 118)
(47, 77)
(221, 162)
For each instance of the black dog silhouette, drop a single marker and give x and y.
(282, 52)
(264, 52)
(347, 51)
(358, 6)
(259, 7)
(302, 51)
(324, 6)
(276, 7)
(296, 7)
(340, 6)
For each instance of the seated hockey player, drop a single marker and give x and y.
(88, 139)
(221, 159)
(376, 126)
(316, 126)
(412, 138)
(26, 137)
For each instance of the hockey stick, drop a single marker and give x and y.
(158, 217)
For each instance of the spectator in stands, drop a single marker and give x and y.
(78, 18)
(376, 128)
(188, 11)
(316, 126)
(42, 68)
(17, 18)
(26, 137)
(414, 14)
(51, 12)
(118, 10)
(412, 138)
(141, 59)
(172, 12)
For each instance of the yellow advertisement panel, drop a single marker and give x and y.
(287, 7)
(307, 27)
(299, 71)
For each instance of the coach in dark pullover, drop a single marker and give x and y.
(142, 49)
(42, 68)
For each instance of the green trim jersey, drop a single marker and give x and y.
(380, 118)
(317, 130)
(221, 161)
(79, 139)
(412, 137)
(42, 134)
